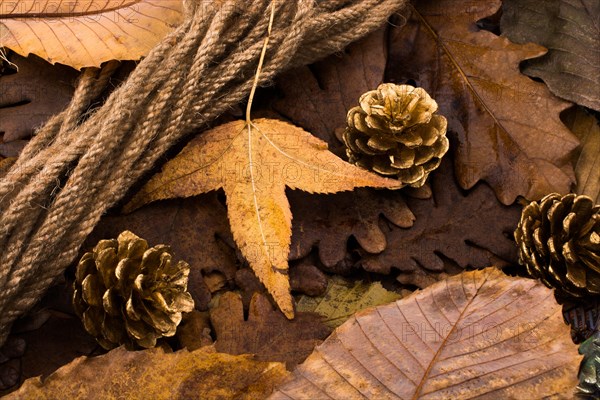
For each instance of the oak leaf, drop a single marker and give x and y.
(254, 163)
(469, 229)
(571, 32)
(266, 332)
(480, 334)
(155, 374)
(342, 215)
(506, 126)
(87, 33)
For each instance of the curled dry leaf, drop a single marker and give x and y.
(267, 333)
(87, 33)
(479, 334)
(446, 228)
(571, 32)
(506, 127)
(344, 298)
(254, 164)
(154, 374)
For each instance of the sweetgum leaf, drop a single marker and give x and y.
(254, 163)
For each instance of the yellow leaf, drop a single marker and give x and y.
(253, 164)
(344, 298)
(86, 33)
(154, 374)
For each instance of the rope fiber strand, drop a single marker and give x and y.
(76, 168)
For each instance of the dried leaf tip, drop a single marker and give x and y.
(395, 131)
(127, 293)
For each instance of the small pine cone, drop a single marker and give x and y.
(127, 293)
(559, 243)
(395, 132)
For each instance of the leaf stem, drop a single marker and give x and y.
(260, 64)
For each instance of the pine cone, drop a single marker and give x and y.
(127, 293)
(559, 243)
(395, 132)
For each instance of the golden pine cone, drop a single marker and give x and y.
(127, 293)
(395, 132)
(559, 243)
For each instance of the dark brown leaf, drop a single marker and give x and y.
(317, 97)
(267, 332)
(471, 229)
(32, 95)
(339, 216)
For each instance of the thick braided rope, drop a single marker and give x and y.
(74, 170)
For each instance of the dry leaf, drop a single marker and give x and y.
(571, 32)
(480, 334)
(471, 229)
(341, 216)
(196, 229)
(344, 298)
(267, 333)
(506, 127)
(154, 374)
(32, 95)
(317, 97)
(254, 164)
(585, 126)
(87, 33)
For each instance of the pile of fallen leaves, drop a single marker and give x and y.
(368, 292)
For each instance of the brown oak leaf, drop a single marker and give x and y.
(254, 163)
(87, 33)
(267, 333)
(342, 215)
(317, 97)
(471, 229)
(506, 127)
